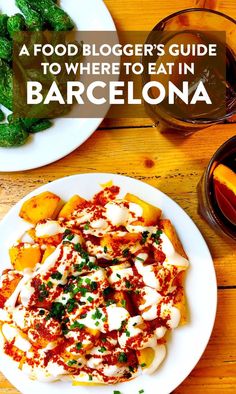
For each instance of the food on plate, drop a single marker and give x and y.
(12, 134)
(224, 180)
(37, 16)
(95, 287)
(52, 14)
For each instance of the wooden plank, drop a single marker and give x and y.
(144, 15)
(172, 163)
(216, 371)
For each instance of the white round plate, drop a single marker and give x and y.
(187, 343)
(66, 134)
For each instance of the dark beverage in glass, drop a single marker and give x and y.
(196, 26)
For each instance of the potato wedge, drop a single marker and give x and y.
(151, 214)
(145, 357)
(122, 299)
(170, 232)
(181, 304)
(48, 251)
(7, 289)
(25, 256)
(71, 205)
(116, 242)
(43, 206)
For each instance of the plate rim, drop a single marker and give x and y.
(95, 122)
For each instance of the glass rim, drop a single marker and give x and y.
(194, 9)
(196, 122)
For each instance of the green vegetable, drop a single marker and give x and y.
(34, 20)
(29, 123)
(2, 116)
(56, 275)
(76, 324)
(71, 362)
(57, 18)
(10, 118)
(6, 85)
(5, 49)
(43, 124)
(15, 24)
(57, 310)
(79, 345)
(3, 25)
(12, 134)
(122, 358)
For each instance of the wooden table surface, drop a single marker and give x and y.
(172, 164)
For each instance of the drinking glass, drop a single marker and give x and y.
(196, 21)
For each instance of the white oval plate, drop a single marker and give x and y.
(187, 343)
(66, 134)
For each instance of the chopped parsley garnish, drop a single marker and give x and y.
(143, 365)
(122, 325)
(115, 261)
(141, 391)
(139, 258)
(90, 299)
(71, 362)
(85, 259)
(79, 267)
(43, 293)
(56, 275)
(83, 315)
(92, 266)
(144, 237)
(50, 284)
(156, 236)
(118, 276)
(105, 249)
(116, 392)
(90, 377)
(97, 314)
(88, 281)
(125, 252)
(57, 310)
(86, 226)
(110, 302)
(77, 324)
(68, 288)
(137, 291)
(64, 328)
(71, 304)
(127, 284)
(127, 333)
(67, 232)
(79, 345)
(102, 349)
(107, 291)
(103, 339)
(80, 289)
(131, 368)
(123, 303)
(70, 237)
(97, 323)
(122, 358)
(93, 286)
